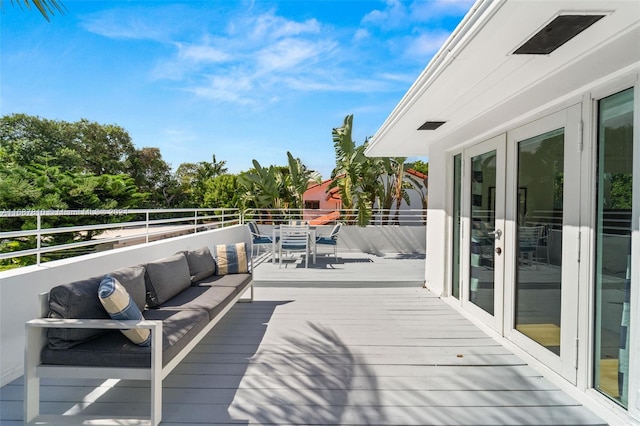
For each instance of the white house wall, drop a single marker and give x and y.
(438, 249)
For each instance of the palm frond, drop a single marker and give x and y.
(46, 7)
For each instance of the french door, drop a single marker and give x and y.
(483, 230)
(520, 236)
(543, 207)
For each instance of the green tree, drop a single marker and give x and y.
(93, 149)
(194, 178)
(42, 187)
(222, 192)
(104, 147)
(27, 140)
(349, 159)
(419, 166)
(153, 175)
(263, 187)
(420, 185)
(299, 177)
(356, 176)
(276, 187)
(81, 146)
(394, 186)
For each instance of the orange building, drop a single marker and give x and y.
(321, 201)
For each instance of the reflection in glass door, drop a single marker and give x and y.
(539, 238)
(613, 245)
(457, 223)
(483, 231)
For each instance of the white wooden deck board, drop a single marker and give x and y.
(329, 356)
(351, 268)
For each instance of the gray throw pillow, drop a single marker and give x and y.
(166, 278)
(201, 263)
(132, 278)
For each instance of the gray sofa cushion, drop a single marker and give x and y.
(201, 263)
(78, 299)
(212, 299)
(237, 281)
(165, 278)
(113, 349)
(132, 278)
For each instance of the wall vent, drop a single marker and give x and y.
(431, 125)
(556, 33)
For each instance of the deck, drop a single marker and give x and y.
(308, 353)
(352, 269)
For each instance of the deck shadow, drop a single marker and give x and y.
(320, 373)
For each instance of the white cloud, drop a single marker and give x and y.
(136, 23)
(361, 34)
(393, 16)
(232, 89)
(324, 83)
(401, 78)
(396, 14)
(271, 26)
(250, 58)
(425, 45)
(202, 53)
(290, 53)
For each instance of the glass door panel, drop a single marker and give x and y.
(483, 231)
(613, 245)
(539, 207)
(543, 269)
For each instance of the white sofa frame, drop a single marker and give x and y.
(36, 339)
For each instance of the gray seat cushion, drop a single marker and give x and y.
(212, 299)
(165, 278)
(113, 349)
(237, 281)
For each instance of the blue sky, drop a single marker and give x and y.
(238, 79)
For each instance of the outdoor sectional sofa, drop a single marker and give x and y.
(180, 299)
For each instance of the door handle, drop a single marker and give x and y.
(497, 233)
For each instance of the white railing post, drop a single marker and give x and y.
(38, 237)
(195, 221)
(147, 227)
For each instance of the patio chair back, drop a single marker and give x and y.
(294, 238)
(253, 228)
(331, 239)
(334, 232)
(528, 242)
(258, 239)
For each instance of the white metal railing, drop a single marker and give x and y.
(406, 217)
(40, 233)
(133, 226)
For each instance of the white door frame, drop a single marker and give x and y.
(634, 360)
(569, 119)
(498, 144)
